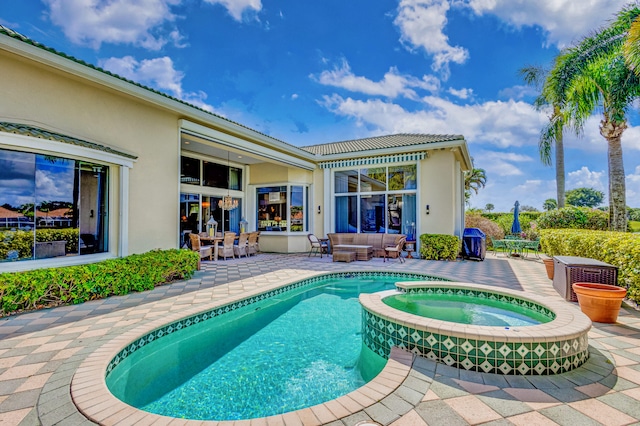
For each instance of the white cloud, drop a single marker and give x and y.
(94, 22)
(421, 24)
(631, 139)
(503, 124)
(392, 85)
(633, 188)
(564, 21)
(294, 96)
(518, 92)
(237, 8)
(56, 186)
(501, 163)
(461, 93)
(585, 178)
(158, 73)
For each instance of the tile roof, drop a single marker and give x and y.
(25, 130)
(17, 36)
(379, 142)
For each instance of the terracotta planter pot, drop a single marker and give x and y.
(600, 302)
(548, 263)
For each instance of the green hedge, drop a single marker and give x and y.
(76, 284)
(439, 246)
(620, 249)
(574, 218)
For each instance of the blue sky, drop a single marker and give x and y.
(309, 72)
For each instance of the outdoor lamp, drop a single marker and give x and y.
(427, 210)
(212, 226)
(318, 209)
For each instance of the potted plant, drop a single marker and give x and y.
(548, 264)
(600, 302)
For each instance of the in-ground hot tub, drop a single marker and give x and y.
(551, 347)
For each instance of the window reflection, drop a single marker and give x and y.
(51, 206)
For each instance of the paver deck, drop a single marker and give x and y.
(41, 351)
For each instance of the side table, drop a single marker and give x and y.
(410, 247)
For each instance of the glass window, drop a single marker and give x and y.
(346, 181)
(373, 180)
(215, 175)
(372, 217)
(272, 205)
(347, 214)
(189, 170)
(51, 206)
(297, 209)
(402, 177)
(374, 207)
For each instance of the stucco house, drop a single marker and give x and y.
(137, 169)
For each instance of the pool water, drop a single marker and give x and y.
(278, 355)
(466, 310)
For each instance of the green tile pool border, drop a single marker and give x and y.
(534, 350)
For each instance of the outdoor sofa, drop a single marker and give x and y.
(377, 241)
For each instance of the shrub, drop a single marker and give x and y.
(574, 218)
(620, 249)
(489, 227)
(439, 246)
(76, 284)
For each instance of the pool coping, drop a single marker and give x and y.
(90, 394)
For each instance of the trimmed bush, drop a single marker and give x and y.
(49, 287)
(574, 218)
(489, 227)
(439, 246)
(615, 248)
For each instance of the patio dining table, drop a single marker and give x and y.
(515, 247)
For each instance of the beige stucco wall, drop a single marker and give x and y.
(58, 102)
(437, 188)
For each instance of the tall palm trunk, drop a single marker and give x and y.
(560, 174)
(612, 132)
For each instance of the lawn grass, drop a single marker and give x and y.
(634, 225)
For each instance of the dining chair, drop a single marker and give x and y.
(226, 248)
(205, 251)
(241, 248)
(252, 243)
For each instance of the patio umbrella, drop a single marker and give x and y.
(515, 226)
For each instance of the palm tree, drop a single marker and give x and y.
(475, 179)
(593, 76)
(551, 135)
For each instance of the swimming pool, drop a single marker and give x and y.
(291, 348)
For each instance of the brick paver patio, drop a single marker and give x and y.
(40, 351)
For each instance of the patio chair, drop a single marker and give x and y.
(317, 246)
(532, 246)
(252, 243)
(226, 248)
(395, 250)
(497, 244)
(241, 248)
(205, 251)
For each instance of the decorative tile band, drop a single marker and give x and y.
(221, 310)
(553, 352)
